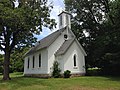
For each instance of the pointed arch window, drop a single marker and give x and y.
(28, 63)
(33, 61)
(74, 58)
(67, 20)
(39, 60)
(60, 20)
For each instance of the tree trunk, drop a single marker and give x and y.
(6, 65)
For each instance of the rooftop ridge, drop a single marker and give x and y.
(46, 41)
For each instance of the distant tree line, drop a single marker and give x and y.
(16, 60)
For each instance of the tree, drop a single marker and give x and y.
(100, 20)
(1, 63)
(19, 24)
(17, 59)
(110, 41)
(56, 70)
(88, 17)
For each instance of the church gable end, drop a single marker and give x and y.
(61, 45)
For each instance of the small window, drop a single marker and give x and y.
(67, 20)
(39, 60)
(65, 36)
(74, 60)
(28, 63)
(60, 20)
(33, 61)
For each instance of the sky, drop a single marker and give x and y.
(58, 6)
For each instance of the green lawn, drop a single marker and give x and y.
(19, 82)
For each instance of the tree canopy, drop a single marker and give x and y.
(100, 20)
(19, 24)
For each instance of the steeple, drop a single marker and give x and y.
(64, 19)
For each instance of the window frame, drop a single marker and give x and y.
(65, 36)
(61, 17)
(33, 63)
(39, 60)
(28, 63)
(75, 60)
(67, 19)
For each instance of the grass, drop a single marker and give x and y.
(19, 82)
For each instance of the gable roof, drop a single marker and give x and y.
(64, 47)
(45, 42)
(81, 47)
(62, 50)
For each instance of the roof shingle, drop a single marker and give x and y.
(64, 47)
(45, 42)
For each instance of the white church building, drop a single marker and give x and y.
(61, 46)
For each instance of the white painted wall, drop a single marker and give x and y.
(69, 61)
(48, 58)
(37, 70)
(52, 49)
(61, 62)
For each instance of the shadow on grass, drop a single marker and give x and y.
(113, 78)
(110, 78)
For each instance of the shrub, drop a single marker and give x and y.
(93, 72)
(56, 70)
(67, 74)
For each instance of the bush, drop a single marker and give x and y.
(67, 74)
(93, 72)
(56, 70)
